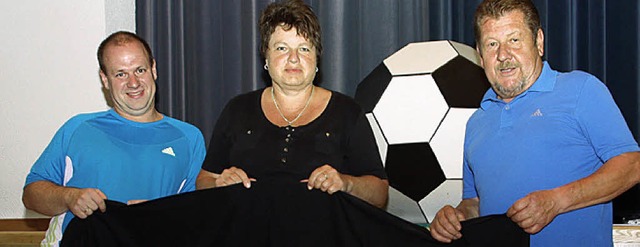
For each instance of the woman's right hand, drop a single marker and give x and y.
(231, 176)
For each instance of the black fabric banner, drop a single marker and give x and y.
(270, 213)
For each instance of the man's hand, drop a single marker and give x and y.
(446, 225)
(82, 202)
(534, 211)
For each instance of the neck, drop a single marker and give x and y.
(148, 117)
(293, 107)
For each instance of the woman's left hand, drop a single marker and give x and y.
(327, 179)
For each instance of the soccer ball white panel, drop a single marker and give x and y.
(448, 193)
(410, 109)
(404, 207)
(377, 133)
(466, 51)
(420, 58)
(447, 143)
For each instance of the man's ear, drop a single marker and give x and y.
(154, 71)
(103, 78)
(480, 55)
(540, 42)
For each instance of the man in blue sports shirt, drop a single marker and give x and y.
(130, 153)
(549, 149)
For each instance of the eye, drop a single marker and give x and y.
(281, 48)
(305, 49)
(141, 71)
(515, 40)
(119, 75)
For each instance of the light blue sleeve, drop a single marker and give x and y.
(50, 166)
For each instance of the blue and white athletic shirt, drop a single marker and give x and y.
(126, 160)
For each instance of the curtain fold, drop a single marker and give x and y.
(207, 51)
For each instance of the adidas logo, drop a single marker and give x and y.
(537, 113)
(169, 151)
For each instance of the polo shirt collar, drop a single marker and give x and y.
(545, 82)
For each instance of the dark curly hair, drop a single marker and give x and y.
(289, 14)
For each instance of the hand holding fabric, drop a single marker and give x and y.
(446, 225)
(82, 202)
(233, 175)
(534, 211)
(327, 179)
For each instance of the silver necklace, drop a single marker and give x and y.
(299, 114)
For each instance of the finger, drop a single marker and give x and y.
(324, 186)
(450, 219)
(313, 180)
(440, 232)
(436, 235)
(440, 237)
(102, 205)
(244, 178)
(518, 206)
(533, 229)
(131, 202)
(334, 188)
(81, 214)
(88, 212)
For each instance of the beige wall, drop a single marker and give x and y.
(48, 73)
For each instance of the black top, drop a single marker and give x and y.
(341, 137)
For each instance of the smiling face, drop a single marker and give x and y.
(291, 59)
(511, 55)
(130, 80)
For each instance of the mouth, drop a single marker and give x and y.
(293, 70)
(136, 94)
(507, 69)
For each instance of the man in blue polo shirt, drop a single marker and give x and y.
(549, 149)
(129, 153)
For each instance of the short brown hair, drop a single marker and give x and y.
(290, 14)
(122, 38)
(497, 8)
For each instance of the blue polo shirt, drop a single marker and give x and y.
(563, 128)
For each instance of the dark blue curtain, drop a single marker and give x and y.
(207, 51)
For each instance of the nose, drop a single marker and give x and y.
(503, 53)
(133, 81)
(293, 56)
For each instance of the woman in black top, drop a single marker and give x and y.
(294, 130)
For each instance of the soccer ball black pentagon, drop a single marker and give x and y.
(418, 101)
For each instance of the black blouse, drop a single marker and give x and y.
(341, 137)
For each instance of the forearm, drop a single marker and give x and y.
(615, 177)
(46, 198)
(470, 208)
(369, 188)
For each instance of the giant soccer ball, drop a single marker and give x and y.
(418, 101)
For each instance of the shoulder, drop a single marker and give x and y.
(189, 130)
(81, 118)
(245, 99)
(578, 79)
(345, 103)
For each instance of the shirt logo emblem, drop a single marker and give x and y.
(537, 113)
(169, 151)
